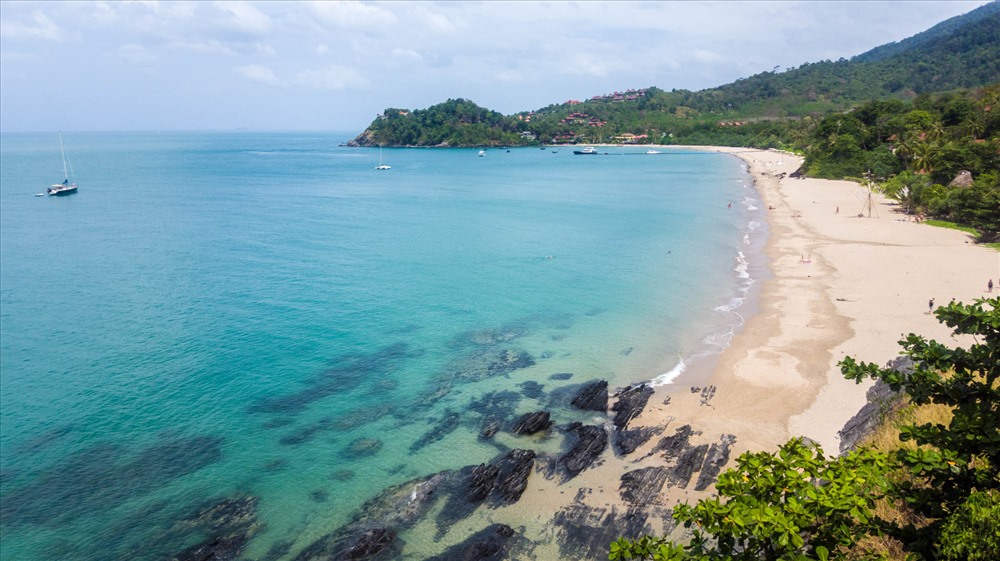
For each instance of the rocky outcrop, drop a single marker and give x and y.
(631, 402)
(488, 544)
(512, 478)
(590, 444)
(584, 532)
(592, 397)
(715, 459)
(627, 441)
(530, 423)
(481, 481)
(642, 486)
(688, 462)
(370, 544)
(880, 399)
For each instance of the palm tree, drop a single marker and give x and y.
(974, 126)
(924, 156)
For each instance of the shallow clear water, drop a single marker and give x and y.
(265, 314)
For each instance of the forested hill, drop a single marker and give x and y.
(962, 52)
(942, 30)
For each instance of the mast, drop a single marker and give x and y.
(63, 150)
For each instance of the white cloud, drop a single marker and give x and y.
(245, 17)
(256, 73)
(407, 55)
(40, 26)
(333, 77)
(354, 15)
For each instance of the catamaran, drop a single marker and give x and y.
(64, 188)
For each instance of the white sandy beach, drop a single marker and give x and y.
(842, 284)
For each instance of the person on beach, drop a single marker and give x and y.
(837, 211)
(930, 306)
(989, 285)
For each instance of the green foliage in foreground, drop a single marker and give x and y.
(777, 507)
(797, 505)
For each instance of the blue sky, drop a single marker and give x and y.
(229, 65)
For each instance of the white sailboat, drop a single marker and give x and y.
(64, 188)
(380, 165)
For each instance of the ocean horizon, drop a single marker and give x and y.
(264, 315)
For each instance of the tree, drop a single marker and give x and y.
(798, 505)
(950, 462)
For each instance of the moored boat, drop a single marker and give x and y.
(587, 150)
(64, 188)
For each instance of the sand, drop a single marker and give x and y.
(843, 284)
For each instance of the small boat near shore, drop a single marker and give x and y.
(586, 151)
(651, 151)
(64, 188)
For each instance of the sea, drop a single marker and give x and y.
(265, 315)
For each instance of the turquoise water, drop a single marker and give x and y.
(265, 314)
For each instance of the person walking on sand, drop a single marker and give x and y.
(930, 306)
(989, 285)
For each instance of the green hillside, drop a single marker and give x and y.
(761, 110)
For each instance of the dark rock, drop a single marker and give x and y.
(481, 481)
(512, 480)
(590, 444)
(715, 460)
(530, 423)
(689, 461)
(230, 523)
(631, 402)
(592, 397)
(490, 428)
(217, 549)
(627, 441)
(370, 544)
(642, 486)
(531, 389)
(444, 427)
(672, 446)
(319, 495)
(584, 532)
(561, 376)
(881, 399)
(707, 394)
(488, 544)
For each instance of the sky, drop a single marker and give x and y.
(333, 66)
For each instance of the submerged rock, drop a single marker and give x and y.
(532, 389)
(444, 427)
(230, 523)
(369, 544)
(363, 447)
(592, 397)
(530, 423)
